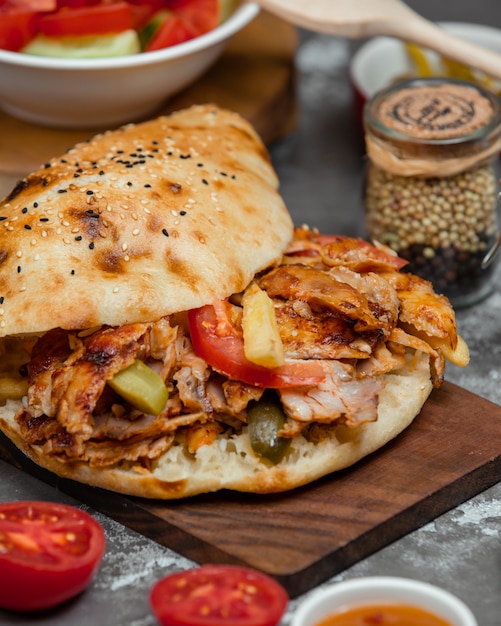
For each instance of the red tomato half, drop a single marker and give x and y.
(218, 595)
(17, 28)
(219, 343)
(90, 20)
(48, 553)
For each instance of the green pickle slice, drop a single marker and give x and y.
(265, 418)
(141, 387)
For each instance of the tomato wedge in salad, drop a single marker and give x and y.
(17, 28)
(76, 4)
(201, 15)
(165, 22)
(28, 5)
(171, 32)
(88, 20)
(215, 595)
(184, 20)
(144, 10)
(219, 342)
(48, 553)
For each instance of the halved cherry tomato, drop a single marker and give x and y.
(17, 28)
(201, 15)
(216, 339)
(173, 31)
(48, 553)
(218, 595)
(89, 20)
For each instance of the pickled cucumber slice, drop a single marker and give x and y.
(141, 387)
(265, 418)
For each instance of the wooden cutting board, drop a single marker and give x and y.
(254, 77)
(451, 452)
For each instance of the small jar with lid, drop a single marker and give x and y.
(431, 191)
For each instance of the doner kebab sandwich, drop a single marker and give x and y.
(165, 330)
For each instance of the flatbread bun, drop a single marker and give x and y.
(140, 222)
(229, 463)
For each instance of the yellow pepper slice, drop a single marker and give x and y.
(262, 342)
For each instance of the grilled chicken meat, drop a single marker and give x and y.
(340, 303)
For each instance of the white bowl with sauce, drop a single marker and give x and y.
(106, 92)
(382, 591)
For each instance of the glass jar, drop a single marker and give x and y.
(431, 191)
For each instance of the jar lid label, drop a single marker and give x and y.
(435, 112)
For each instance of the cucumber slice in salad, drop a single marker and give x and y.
(86, 46)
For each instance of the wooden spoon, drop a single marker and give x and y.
(358, 19)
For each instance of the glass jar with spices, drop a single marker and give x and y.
(431, 191)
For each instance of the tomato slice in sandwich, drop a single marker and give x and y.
(220, 343)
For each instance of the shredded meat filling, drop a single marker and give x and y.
(73, 414)
(342, 304)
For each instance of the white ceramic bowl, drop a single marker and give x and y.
(91, 93)
(383, 60)
(380, 590)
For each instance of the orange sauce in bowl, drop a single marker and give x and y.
(384, 615)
